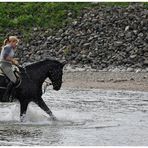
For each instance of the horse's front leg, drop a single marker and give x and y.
(23, 109)
(43, 106)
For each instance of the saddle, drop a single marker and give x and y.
(16, 72)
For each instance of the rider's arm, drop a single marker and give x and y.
(8, 57)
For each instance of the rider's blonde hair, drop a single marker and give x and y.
(10, 39)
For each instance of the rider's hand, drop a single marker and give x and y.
(17, 59)
(15, 62)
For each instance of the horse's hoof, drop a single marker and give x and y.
(53, 118)
(23, 118)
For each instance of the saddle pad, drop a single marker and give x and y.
(1, 72)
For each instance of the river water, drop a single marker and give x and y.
(85, 117)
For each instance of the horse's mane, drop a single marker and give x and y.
(43, 62)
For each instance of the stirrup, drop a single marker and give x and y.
(17, 83)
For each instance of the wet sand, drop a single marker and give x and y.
(106, 80)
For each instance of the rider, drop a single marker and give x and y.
(6, 61)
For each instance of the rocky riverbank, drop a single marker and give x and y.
(105, 38)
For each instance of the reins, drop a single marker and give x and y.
(46, 85)
(26, 72)
(24, 68)
(46, 82)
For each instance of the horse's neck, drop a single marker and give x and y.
(38, 74)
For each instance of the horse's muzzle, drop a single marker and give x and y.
(56, 88)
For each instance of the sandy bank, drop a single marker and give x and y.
(106, 80)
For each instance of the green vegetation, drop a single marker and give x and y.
(22, 16)
(46, 15)
(25, 15)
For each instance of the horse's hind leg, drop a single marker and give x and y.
(43, 106)
(23, 109)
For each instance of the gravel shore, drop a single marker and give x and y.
(106, 80)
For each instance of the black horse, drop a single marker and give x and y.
(30, 89)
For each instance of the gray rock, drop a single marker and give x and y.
(128, 35)
(37, 58)
(116, 70)
(130, 69)
(118, 43)
(145, 49)
(86, 44)
(138, 70)
(140, 35)
(146, 69)
(145, 62)
(35, 29)
(133, 56)
(127, 28)
(146, 54)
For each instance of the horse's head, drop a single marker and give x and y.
(55, 74)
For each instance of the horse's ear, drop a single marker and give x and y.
(64, 63)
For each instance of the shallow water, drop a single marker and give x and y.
(85, 117)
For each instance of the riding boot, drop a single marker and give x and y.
(8, 91)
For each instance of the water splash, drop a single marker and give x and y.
(85, 117)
